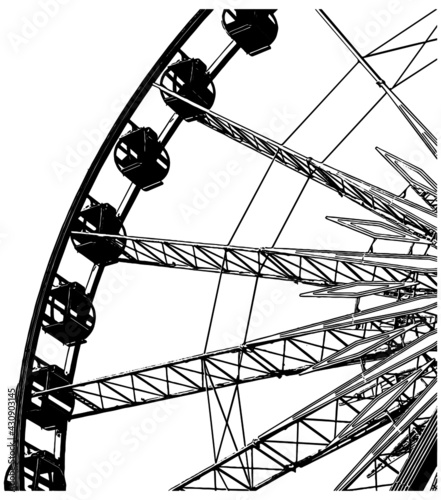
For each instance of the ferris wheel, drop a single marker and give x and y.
(388, 334)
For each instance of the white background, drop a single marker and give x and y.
(66, 75)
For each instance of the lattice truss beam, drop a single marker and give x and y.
(395, 274)
(362, 337)
(392, 393)
(411, 217)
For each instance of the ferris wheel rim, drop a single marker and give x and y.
(63, 238)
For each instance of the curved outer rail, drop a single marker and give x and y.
(63, 237)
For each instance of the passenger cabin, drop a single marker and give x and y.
(189, 79)
(50, 412)
(99, 218)
(253, 30)
(43, 473)
(141, 158)
(69, 316)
